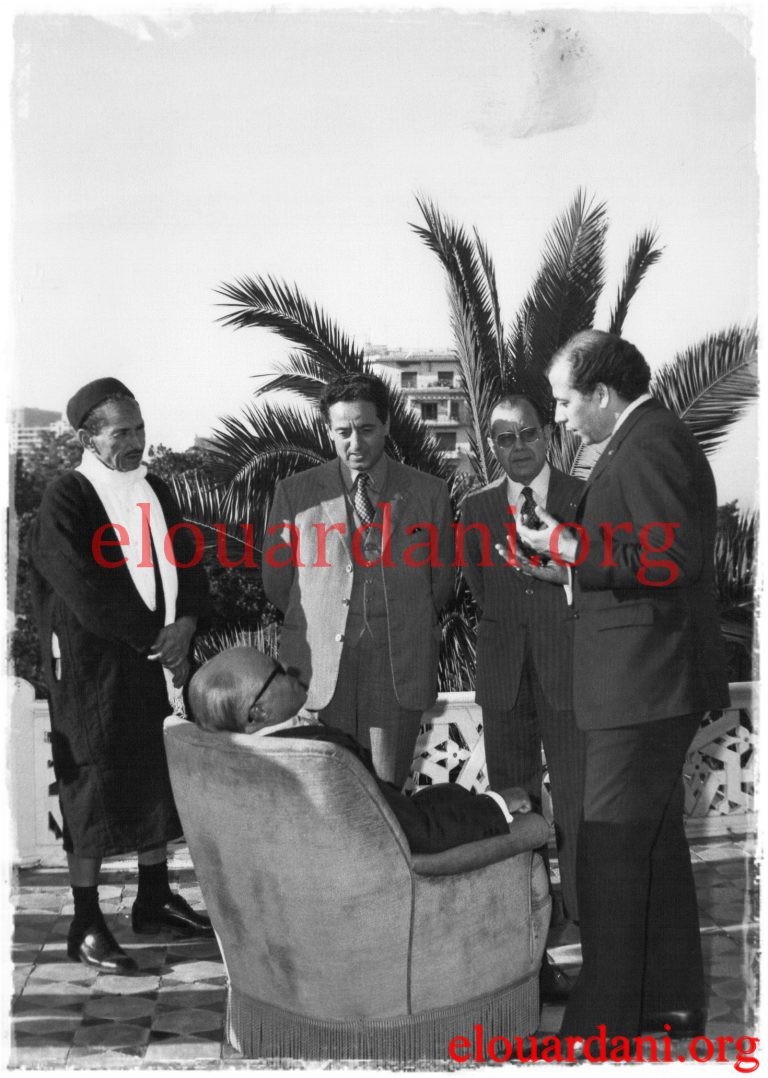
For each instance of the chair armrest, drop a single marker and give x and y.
(526, 832)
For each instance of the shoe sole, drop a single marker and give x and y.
(174, 930)
(133, 968)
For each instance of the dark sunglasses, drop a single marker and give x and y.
(508, 438)
(277, 669)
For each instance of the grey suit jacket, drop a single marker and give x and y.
(518, 614)
(314, 591)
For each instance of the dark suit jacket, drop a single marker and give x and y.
(516, 610)
(647, 642)
(437, 817)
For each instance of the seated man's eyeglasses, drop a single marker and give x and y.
(507, 438)
(277, 669)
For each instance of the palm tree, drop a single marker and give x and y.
(709, 384)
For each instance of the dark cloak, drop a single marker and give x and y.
(107, 700)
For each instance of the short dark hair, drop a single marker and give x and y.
(596, 356)
(509, 400)
(356, 387)
(95, 419)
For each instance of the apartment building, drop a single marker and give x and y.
(430, 382)
(28, 425)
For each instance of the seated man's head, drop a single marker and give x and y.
(244, 690)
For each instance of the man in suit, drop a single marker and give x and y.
(245, 691)
(358, 557)
(524, 639)
(648, 663)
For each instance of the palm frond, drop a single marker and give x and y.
(302, 374)
(710, 384)
(200, 501)
(735, 552)
(250, 453)
(462, 484)
(471, 282)
(563, 296)
(456, 671)
(281, 308)
(476, 324)
(642, 255)
(479, 396)
(568, 453)
(489, 273)
(265, 638)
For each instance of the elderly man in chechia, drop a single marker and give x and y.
(116, 607)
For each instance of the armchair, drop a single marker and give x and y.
(340, 943)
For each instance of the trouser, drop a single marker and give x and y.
(639, 919)
(365, 705)
(513, 740)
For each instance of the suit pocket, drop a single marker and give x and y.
(624, 616)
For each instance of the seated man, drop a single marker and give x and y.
(245, 691)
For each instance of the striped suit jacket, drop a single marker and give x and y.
(518, 615)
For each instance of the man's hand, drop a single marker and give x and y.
(181, 673)
(541, 539)
(171, 645)
(517, 800)
(551, 572)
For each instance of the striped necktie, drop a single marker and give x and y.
(361, 499)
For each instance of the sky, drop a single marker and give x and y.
(156, 156)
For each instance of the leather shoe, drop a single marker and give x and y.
(175, 914)
(681, 1023)
(98, 947)
(554, 985)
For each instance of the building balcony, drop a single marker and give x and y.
(431, 391)
(443, 421)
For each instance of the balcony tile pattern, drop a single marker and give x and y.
(171, 1013)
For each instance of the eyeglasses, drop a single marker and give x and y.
(507, 438)
(277, 669)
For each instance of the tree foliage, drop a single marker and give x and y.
(709, 385)
(226, 485)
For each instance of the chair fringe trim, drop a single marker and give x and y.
(262, 1031)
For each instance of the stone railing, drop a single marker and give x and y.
(718, 772)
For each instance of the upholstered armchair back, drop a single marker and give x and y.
(320, 911)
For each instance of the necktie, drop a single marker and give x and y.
(362, 501)
(531, 519)
(528, 514)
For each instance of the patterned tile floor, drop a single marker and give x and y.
(171, 1014)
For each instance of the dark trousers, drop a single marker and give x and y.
(513, 740)
(365, 705)
(639, 919)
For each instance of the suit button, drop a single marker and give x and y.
(339, 638)
(347, 568)
(575, 616)
(529, 591)
(345, 602)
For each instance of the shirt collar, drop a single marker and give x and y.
(539, 485)
(630, 408)
(288, 724)
(378, 475)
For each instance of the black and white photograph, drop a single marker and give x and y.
(382, 533)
